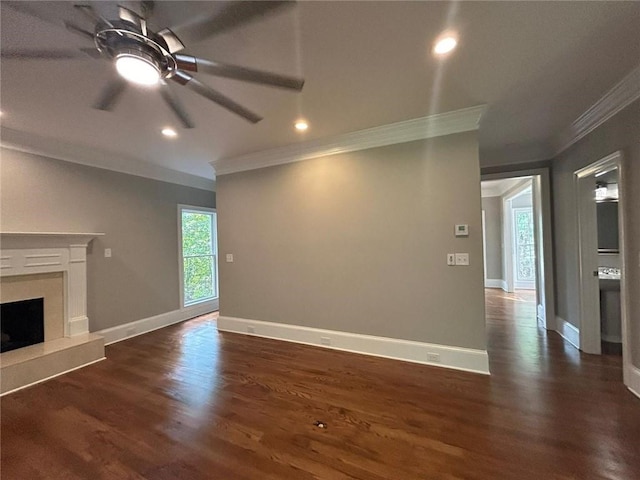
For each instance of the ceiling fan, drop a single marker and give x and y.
(147, 57)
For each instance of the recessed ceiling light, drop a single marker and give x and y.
(445, 45)
(301, 125)
(169, 132)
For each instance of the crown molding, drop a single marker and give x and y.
(407, 131)
(49, 147)
(623, 94)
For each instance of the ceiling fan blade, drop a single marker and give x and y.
(91, 52)
(173, 42)
(193, 64)
(41, 54)
(175, 105)
(111, 94)
(90, 12)
(27, 8)
(146, 8)
(200, 88)
(79, 31)
(232, 16)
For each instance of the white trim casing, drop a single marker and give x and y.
(568, 331)
(633, 379)
(494, 283)
(146, 325)
(589, 301)
(437, 125)
(458, 358)
(623, 94)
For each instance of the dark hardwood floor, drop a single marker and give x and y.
(186, 402)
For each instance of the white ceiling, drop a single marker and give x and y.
(497, 188)
(537, 66)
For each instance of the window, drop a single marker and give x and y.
(198, 255)
(525, 250)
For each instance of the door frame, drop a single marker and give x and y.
(586, 225)
(545, 286)
(484, 245)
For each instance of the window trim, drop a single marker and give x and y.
(195, 209)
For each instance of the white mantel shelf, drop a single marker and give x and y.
(44, 239)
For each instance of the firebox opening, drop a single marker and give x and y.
(21, 324)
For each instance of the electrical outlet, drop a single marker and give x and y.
(451, 258)
(325, 341)
(462, 259)
(251, 329)
(433, 357)
(229, 257)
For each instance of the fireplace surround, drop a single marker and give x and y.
(52, 265)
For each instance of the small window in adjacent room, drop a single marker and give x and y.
(198, 254)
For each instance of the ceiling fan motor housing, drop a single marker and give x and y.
(123, 40)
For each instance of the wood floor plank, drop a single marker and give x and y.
(189, 402)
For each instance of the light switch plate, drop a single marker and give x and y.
(107, 253)
(462, 259)
(229, 257)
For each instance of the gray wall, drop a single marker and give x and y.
(619, 133)
(138, 216)
(492, 207)
(358, 242)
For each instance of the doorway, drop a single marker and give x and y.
(517, 246)
(602, 292)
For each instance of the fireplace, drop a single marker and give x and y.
(21, 324)
(50, 268)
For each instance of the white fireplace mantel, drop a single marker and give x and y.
(28, 253)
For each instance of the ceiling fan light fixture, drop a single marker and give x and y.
(138, 68)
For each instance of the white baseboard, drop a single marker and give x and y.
(458, 358)
(52, 376)
(493, 283)
(146, 325)
(505, 286)
(569, 332)
(633, 380)
(611, 338)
